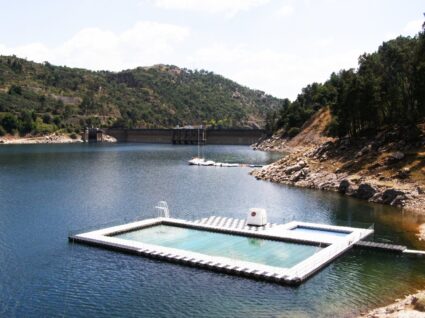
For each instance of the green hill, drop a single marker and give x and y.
(41, 98)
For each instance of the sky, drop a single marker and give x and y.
(277, 46)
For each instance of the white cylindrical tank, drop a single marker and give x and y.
(257, 217)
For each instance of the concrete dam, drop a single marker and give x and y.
(188, 136)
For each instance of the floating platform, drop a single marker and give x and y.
(382, 246)
(392, 248)
(331, 242)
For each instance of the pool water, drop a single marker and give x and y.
(320, 232)
(244, 248)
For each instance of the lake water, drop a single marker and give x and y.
(46, 191)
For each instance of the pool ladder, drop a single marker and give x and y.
(162, 209)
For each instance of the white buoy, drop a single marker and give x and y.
(257, 217)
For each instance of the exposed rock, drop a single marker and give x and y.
(409, 307)
(363, 151)
(419, 302)
(355, 178)
(301, 164)
(324, 157)
(108, 138)
(297, 176)
(398, 200)
(389, 195)
(376, 198)
(322, 149)
(402, 174)
(304, 184)
(344, 186)
(395, 156)
(365, 191)
(375, 166)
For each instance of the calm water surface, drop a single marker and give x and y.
(48, 190)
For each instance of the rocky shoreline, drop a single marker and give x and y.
(412, 306)
(375, 172)
(307, 172)
(55, 138)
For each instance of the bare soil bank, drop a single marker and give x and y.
(386, 169)
(55, 138)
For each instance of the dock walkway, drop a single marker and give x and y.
(381, 246)
(393, 248)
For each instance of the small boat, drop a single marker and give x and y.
(199, 161)
(196, 161)
(207, 163)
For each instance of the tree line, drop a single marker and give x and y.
(387, 88)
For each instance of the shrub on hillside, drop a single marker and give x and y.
(43, 128)
(10, 123)
(333, 126)
(292, 132)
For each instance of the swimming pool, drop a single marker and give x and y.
(320, 231)
(237, 247)
(228, 245)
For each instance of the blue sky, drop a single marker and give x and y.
(278, 46)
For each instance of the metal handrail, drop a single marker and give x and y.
(162, 209)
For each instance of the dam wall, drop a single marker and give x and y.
(188, 136)
(233, 136)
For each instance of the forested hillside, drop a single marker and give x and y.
(42, 98)
(387, 88)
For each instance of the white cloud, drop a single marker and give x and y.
(145, 43)
(390, 36)
(324, 42)
(229, 7)
(413, 27)
(285, 10)
(34, 51)
(277, 73)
